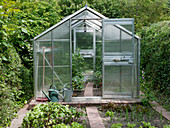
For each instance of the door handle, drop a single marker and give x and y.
(130, 61)
(116, 60)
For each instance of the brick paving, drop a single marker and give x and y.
(94, 117)
(160, 109)
(17, 121)
(89, 89)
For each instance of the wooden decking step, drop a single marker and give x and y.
(94, 117)
(89, 89)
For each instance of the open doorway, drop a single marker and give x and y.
(88, 61)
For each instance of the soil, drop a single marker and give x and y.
(97, 92)
(135, 116)
(84, 120)
(77, 93)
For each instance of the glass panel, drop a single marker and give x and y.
(117, 79)
(84, 40)
(126, 78)
(88, 64)
(112, 79)
(86, 14)
(61, 47)
(99, 36)
(126, 42)
(112, 39)
(127, 27)
(98, 48)
(44, 64)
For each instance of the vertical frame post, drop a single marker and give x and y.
(52, 45)
(138, 67)
(70, 54)
(94, 50)
(102, 57)
(133, 56)
(74, 40)
(120, 65)
(35, 69)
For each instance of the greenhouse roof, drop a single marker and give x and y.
(84, 15)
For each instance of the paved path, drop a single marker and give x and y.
(160, 109)
(89, 89)
(94, 117)
(16, 122)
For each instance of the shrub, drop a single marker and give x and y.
(155, 62)
(10, 87)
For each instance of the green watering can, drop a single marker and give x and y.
(54, 93)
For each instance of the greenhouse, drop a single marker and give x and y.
(109, 43)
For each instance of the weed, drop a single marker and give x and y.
(110, 114)
(131, 125)
(118, 125)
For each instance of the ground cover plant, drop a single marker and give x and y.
(131, 116)
(54, 115)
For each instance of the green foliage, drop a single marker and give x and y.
(33, 18)
(145, 12)
(155, 61)
(77, 71)
(20, 22)
(117, 125)
(26, 84)
(131, 125)
(97, 76)
(155, 55)
(110, 114)
(46, 115)
(76, 125)
(9, 85)
(147, 124)
(166, 126)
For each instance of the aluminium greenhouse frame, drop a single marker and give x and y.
(96, 21)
